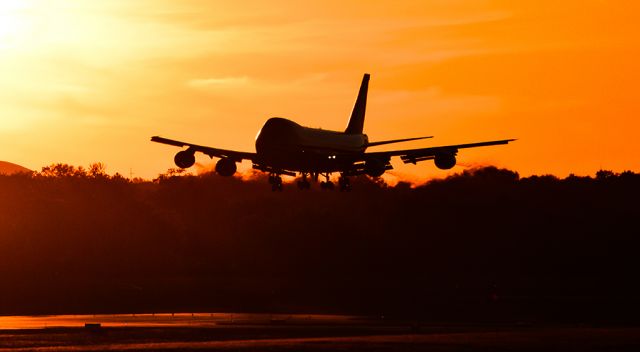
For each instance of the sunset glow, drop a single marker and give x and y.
(12, 21)
(91, 81)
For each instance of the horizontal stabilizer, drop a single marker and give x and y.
(372, 144)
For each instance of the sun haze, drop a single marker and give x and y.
(93, 80)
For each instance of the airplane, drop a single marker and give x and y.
(284, 147)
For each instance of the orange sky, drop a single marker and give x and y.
(86, 81)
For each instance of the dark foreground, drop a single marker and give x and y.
(319, 338)
(481, 246)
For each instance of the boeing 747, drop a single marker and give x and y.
(284, 147)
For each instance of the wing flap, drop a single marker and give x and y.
(413, 160)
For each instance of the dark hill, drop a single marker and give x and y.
(7, 168)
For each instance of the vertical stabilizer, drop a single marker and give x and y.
(356, 121)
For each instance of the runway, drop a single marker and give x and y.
(178, 320)
(258, 332)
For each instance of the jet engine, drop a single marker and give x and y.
(226, 167)
(374, 167)
(185, 159)
(445, 161)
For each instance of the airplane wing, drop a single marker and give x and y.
(416, 155)
(211, 152)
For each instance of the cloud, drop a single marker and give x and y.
(259, 86)
(224, 82)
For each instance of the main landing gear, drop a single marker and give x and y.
(303, 183)
(343, 183)
(276, 182)
(326, 184)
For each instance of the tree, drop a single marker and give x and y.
(63, 170)
(604, 174)
(97, 170)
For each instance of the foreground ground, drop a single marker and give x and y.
(282, 337)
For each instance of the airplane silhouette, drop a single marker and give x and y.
(283, 147)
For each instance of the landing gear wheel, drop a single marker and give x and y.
(303, 183)
(345, 185)
(276, 182)
(326, 185)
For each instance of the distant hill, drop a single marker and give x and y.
(7, 168)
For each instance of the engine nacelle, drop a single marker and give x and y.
(226, 167)
(445, 161)
(375, 167)
(184, 159)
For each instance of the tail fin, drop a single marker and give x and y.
(356, 121)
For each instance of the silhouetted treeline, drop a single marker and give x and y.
(483, 245)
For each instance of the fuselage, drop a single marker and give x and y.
(287, 145)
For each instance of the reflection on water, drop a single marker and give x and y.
(177, 320)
